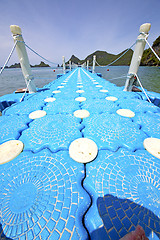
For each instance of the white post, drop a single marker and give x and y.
(64, 66)
(94, 64)
(137, 55)
(70, 65)
(23, 58)
(87, 64)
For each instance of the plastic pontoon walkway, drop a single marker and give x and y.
(45, 194)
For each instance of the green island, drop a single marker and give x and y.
(104, 58)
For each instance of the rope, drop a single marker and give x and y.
(8, 57)
(117, 78)
(25, 90)
(142, 88)
(38, 54)
(152, 50)
(99, 64)
(119, 56)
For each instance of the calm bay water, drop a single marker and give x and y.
(12, 79)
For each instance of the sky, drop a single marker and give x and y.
(56, 28)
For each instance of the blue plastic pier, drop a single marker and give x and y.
(45, 194)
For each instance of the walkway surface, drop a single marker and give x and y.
(45, 194)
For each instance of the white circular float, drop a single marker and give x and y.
(103, 90)
(80, 91)
(37, 114)
(83, 150)
(81, 113)
(80, 99)
(99, 86)
(56, 91)
(51, 99)
(96, 83)
(10, 150)
(111, 98)
(152, 145)
(60, 87)
(80, 86)
(125, 113)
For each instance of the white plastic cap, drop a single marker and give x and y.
(145, 27)
(16, 30)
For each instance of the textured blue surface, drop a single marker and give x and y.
(11, 127)
(111, 131)
(41, 196)
(53, 131)
(57, 106)
(124, 189)
(44, 194)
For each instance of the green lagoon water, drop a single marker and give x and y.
(12, 79)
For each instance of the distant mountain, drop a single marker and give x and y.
(17, 65)
(149, 59)
(104, 58)
(74, 59)
(42, 64)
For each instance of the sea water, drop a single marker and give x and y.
(12, 79)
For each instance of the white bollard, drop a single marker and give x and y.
(70, 65)
(94, 64)
(137, 55)
(64, 66)
(87, 64)
(23, 58)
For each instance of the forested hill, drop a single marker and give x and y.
(149, 59)
(104, 58)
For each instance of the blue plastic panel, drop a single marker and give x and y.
(41, 197)
(111, 131)
(137, 105)
(149, 123)
(52, 131)
(98, 106)
(12, 126)
(125, 192)
(61, 107)
(25, 107)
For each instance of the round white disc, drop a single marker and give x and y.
(152, 145)
(37, 114)
(111, 98)
(60, 87)
(56, 91)
(103, 90)
(98, 86)
(83, 150)
(81, 113)
(10, 150)
(79, 91)
(125, 113)
(80, 86)
(80, 99)
(51, 99)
